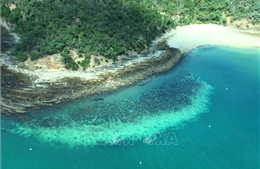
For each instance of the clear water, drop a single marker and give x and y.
(210, 121)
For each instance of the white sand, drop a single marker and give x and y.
(191, 36)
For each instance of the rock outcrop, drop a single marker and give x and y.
(20, 93)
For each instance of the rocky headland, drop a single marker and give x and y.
(45, 82)
(24, 89)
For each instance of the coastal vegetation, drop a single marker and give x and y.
(108, 28)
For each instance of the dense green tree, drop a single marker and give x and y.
(109, 27)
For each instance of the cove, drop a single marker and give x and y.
(209, 103)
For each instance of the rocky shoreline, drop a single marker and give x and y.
(24, 88)
(20, 94)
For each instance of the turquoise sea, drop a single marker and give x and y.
(203, 114)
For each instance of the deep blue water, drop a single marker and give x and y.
(224, 135)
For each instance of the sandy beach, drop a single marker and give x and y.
(191, 36)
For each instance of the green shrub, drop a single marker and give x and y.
(223, 21)
(85, 63)
(34, 56)
(69, 62)
(21, 56)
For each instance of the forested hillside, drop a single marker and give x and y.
(108, 27)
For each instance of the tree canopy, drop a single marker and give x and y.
(108, 27)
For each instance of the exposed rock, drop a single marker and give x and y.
(7, 41)
(21, 92)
